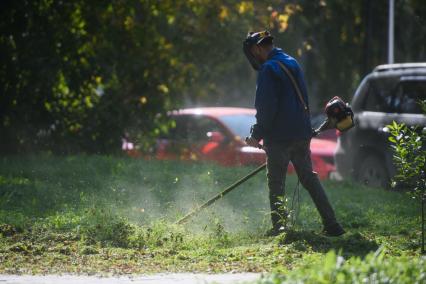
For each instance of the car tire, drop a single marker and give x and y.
(372, 172)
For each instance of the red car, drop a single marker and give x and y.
(217, 134)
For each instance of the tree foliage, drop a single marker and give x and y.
(76, 75)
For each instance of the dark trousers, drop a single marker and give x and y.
(278, 157)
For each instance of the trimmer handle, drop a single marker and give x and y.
(327, 124)
(260, 146)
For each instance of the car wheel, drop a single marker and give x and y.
(372, 172)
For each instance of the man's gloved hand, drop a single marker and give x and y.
(250, 141)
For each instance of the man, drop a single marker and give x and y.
(283, 122)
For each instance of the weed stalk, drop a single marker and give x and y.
(423, 222)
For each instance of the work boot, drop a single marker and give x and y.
(334, 230)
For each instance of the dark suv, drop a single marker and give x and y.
(389, 93)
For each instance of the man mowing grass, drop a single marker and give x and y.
(283, 122)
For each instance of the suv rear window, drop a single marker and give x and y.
(391, 96)
(407, 96)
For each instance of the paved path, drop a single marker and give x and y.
(177, 278)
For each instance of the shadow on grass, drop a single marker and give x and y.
(350, 244)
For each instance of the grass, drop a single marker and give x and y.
(109, 215)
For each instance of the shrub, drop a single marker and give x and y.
(375, 268)
(410, 160)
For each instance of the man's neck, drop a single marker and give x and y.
(269, 48)
(266, 51)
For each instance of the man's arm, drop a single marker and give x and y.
(266, 102)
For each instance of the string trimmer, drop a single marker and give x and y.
(339, 116)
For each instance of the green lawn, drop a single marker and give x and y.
(94, 214)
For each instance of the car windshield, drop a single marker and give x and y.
(239, 124)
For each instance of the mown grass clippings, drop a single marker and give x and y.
(109, 215)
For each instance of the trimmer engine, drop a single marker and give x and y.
(339, 116)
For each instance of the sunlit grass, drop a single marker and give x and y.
(108, 214)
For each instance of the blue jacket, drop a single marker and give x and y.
(280, 115)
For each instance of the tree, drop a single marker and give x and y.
(75, 76)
